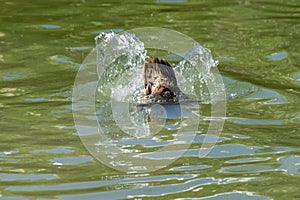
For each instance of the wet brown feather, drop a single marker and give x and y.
(159, 78)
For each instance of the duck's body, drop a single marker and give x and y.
(160, 84)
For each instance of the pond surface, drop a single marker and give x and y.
(257, 155)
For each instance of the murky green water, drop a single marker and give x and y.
(42, 45)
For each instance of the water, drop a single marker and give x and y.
(257, 153)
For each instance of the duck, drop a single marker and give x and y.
(160, 83)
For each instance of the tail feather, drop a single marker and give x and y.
(159, 77)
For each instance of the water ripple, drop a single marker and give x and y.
(34, 177)
(278, 56)
(72, 160)
(96, 184)
(155, 191)
(236, 195)
(50, 26)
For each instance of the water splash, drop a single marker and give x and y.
(120, 60)
(191, 79)
(118, 84)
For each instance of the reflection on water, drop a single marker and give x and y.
(257, 155)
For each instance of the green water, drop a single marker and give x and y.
(42, 45)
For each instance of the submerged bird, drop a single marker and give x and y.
(160, 84)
